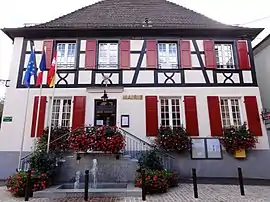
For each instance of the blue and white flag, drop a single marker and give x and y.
(30, 70)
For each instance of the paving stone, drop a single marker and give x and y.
(182, 193)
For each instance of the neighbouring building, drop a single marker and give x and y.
(160, 64)
(262, 61)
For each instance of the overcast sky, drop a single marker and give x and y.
(14, 13)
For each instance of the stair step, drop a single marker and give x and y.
(134, 160)
(126, 156)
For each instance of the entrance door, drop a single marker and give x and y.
(105, 112)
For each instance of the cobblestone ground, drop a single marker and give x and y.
(183, 193)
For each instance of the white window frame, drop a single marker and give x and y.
(181, 105)
(222, 54)
(63, 61)
(49, 115)
(241, 112)
(168, 64)
(108, 64)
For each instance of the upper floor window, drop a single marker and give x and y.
(167, 55)
(108, 56)
(230, 112)
(224, 56)
(61, 113)
(66, 55)
(170, 112)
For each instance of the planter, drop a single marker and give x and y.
(240, 153)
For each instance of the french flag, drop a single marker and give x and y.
(42, 67)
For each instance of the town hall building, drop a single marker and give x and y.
(156, 63)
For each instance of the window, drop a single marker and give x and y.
(66, 55)
(61, 112)
(230, 112)
(167, 55)
(224, 56)
(108, 56)
(170, 112)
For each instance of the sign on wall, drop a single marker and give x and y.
(132, 97)
(206, 148)
(7, 119)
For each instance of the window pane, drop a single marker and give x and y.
(224, 56)
(230, 113)
(167, 55)
(108, 56)
(62, 106)
(66, 55)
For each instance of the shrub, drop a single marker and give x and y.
(150, 160)
(16, 183)
(173, 139)
(156, 181)
(235, 138)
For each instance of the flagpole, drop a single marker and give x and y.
(25, 117)
(51, 107)
(38, 111)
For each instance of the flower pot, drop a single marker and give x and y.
(117, 156)
(240, 153)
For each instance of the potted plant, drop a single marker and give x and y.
(237, 140)
(173, 139)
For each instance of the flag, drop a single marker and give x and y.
(51, 72)
(42, 67)
(30, 70)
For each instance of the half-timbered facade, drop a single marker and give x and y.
(159, 64)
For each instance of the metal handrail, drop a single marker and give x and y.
(148, 144)
(24, 157)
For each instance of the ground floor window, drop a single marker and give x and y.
(170, 112)
(61, 112)
(230, 112)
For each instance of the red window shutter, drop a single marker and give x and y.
(125, 54)
(90, 54)
(78, 119)
(151, 110)
(253, 117)
(41, 116)
(191, 115)
(214, 116)
(185, 54)
(49, 51)
(209, 53)
(151, 53)
(243, 58)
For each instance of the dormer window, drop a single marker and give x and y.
(224, 55)
(167, 55)
(108, 55)
(66, 53)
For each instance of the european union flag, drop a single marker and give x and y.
(30, 70)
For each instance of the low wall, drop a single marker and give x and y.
(109, 168)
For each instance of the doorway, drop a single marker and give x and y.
(105, 113)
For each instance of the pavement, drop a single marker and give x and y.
(182, 193)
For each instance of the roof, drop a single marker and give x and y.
(263, 44)
(132, 14)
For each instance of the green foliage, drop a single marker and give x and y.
(235, 138)
(173, 139)
(150, 160)
(16, 183)
(156, 181)
(44, 162)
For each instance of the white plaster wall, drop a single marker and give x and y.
(11, 133)
(262, 64)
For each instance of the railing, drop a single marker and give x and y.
(136, 146)
(25, 165)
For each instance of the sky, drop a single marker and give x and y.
(15, 13)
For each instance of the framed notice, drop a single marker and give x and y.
(198, 150)
(213, 148)
(206, 148)
(124, 121)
